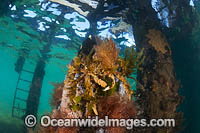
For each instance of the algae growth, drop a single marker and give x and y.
(96, 79)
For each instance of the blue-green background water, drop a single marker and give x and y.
(8, 85)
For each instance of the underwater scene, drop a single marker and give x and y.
(100, 66)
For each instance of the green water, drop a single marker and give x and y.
(8, 82)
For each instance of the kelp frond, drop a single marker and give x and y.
(107, 53)
(157, 40)
(132, 61)
(97, 75)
